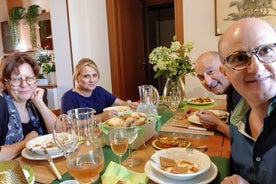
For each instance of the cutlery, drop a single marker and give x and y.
(190, 127)
(50, 160)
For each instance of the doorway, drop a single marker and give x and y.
(160, 32)
(132, 35)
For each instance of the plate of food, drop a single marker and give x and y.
(180, 163)
(165, 142)
(38, 144)
(201, 101)
(223, 115)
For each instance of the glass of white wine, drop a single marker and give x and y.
(131, 133)
(118, 142)
(174, 101)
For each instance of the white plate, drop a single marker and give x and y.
(190, 101)
(120, 109)
(195, 119)
(204, 178)
(44, 140)
(33, 156)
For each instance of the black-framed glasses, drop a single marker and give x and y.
(241, 60)
(30, 80)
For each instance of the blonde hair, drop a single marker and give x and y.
(83, 63)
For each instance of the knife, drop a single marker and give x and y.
(50, 160)
(190, 127)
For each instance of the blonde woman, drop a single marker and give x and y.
(87, 93)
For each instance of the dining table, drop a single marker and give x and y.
(217, 147)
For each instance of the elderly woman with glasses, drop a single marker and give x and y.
(248, 53)
(23, 113)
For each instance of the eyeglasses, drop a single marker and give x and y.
(241, 60)
(30, 80)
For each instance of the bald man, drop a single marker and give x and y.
(207, 69)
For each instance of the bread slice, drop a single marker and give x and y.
(167, 162)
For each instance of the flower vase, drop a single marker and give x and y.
(176, 84)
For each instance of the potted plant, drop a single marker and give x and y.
(49, 69)
(32, 18)
(15, 15)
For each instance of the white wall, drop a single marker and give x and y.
(89, 38)
(199, 27)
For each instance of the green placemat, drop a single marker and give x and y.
(223, 165)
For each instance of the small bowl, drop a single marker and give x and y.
(199, 160)
(38, 144)
(120, 109)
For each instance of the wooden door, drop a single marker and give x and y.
(128, 48)
(126, 44)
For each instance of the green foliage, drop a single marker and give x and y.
(173, 62)
(31, 17)
(16, 14)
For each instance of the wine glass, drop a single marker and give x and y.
(95, 130)
(118, 142)
(174, 101)
(131, 133)
(64, 134)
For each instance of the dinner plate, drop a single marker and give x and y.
(204, 178)
(191, 101)
(120, 109)
(157, 147)
(195, 119)
(33, 156)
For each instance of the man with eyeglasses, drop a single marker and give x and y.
(23, 114)
(207, 68)
(248, 54)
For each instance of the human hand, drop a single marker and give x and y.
(234, 179)
(108, 114)
(30, 136)
(37, 95)
(208, 119)
(188, 112)
(133, 105)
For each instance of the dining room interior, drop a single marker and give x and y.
(68, 19)
(119, 35)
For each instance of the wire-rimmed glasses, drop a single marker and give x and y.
(30, 80)
(241, 60)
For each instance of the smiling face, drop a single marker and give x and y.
(87, 79)
(207, 70)
(257, 83)
(23, 91)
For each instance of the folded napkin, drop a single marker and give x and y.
(115, 172)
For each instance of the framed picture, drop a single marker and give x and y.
(227, 11)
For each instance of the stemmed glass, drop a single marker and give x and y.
(118, 142)
(174, 101)
(95, 130)
(64, 134)
(131, 133)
